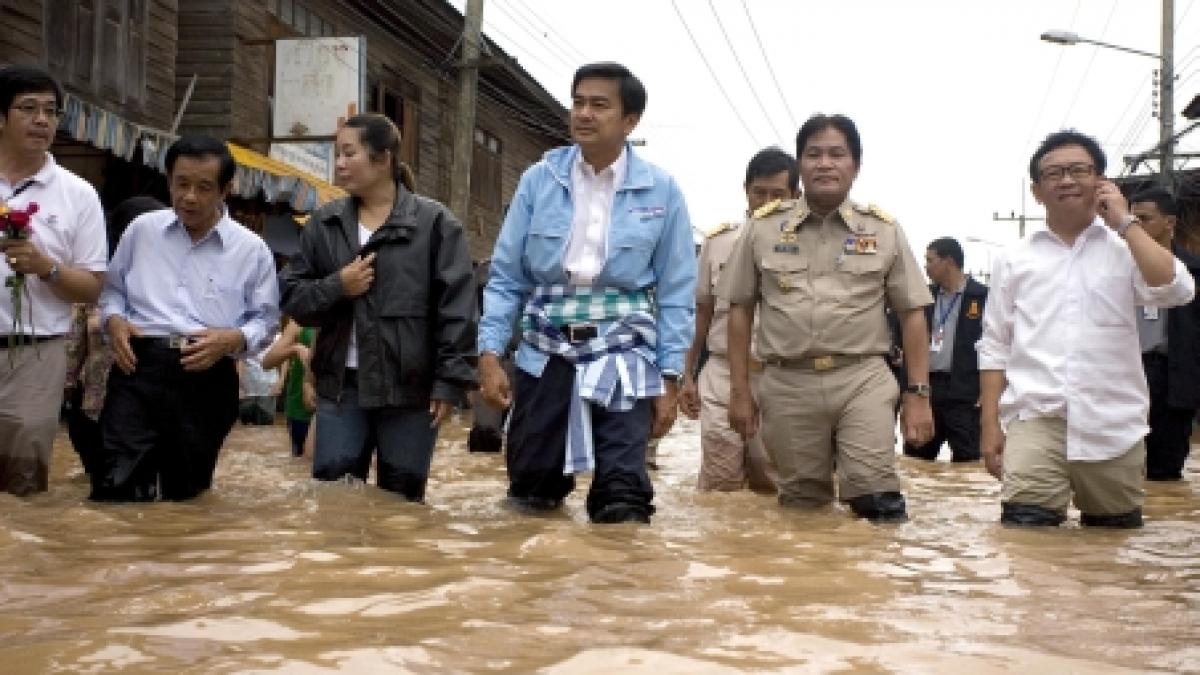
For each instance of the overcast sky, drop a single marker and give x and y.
(950, 96)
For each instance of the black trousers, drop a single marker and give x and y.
(83, 431)
(163, 427)
(955, 422)
(1169, 440)
(537, 441)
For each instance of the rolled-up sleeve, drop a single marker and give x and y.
(1179, 291)
(674, 264)
(995, 347)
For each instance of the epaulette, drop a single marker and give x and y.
(719, 229)
(874, 210)
(774, 206)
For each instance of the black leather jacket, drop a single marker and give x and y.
(415, 326)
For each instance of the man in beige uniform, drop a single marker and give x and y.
(819, 270)
(727, 462)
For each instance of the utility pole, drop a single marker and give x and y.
(1014, 218)
(1166, 98)
(464, 129)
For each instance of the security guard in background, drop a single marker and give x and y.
(955, 325)
(727, 461)
(819, 270)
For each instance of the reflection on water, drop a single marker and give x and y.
(270, 573)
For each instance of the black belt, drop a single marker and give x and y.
(1153, 356)
(939, 375)
(7, 341)
(580, 332)
(171, 342)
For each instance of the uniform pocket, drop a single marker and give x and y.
(404, 330)
(784, 280)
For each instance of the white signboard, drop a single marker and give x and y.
(319, 82)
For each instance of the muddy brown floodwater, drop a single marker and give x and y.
(270, 573)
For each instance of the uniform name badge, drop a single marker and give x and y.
(935, 342)
(1150, 313)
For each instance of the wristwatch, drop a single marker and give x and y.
(52, 275)
(1128, 220)
(670, 376)
(920, 389)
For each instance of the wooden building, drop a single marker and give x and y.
(128, 66)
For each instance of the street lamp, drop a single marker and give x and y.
(990, 245)
(1166, 84)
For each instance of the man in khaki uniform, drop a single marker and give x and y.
(819, 270)
(727, 462)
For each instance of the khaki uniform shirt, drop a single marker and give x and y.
(820, 284)
(714, 253)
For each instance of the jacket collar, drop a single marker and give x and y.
(639, 175)
(403, 215)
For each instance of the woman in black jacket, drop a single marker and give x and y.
(386, 276)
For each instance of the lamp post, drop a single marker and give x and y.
(1166, 84)
(989, 244)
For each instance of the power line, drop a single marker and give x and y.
(770, 69)
(713, 73)
(1083, 80)
(1053, 76)
(738, 60)
(1128, 106)
(538, 39)
(549, 29)
(513, 43)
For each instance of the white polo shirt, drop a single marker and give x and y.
(69, 228)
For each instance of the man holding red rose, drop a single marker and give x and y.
(59, 259)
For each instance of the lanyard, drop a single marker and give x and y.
(942, 316)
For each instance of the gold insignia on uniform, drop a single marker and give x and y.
(880, 214)
(785, 284)
(973, 310)
(767, 209)
(866, 244)
(719, 229)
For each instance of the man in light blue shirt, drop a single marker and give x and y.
(596, 256)
(188, 290)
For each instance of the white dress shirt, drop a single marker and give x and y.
(69, 228)
(1061, 323)
(593, 195)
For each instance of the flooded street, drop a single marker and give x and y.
(270, 573)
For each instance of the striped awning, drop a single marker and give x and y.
(279, 182)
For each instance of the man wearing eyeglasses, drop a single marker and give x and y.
(1063, 395)
(62, 262)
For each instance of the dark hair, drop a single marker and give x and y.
(124, 213)
(1062, 138)
(17, 80)
(772, 160)
(200, 146)
(948, 247)
(633, 93)
(379, 135)
(1161, 199)
(821, 122)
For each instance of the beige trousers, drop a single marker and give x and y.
(1037, 472)
(31, 393)
(812, 418)
(728, 463)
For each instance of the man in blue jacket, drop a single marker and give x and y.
(596, 257)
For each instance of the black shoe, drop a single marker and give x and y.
(532, 505)
(1131, 520)
(880, 507)
(1164, 477)
(1012, 513)
(621, 513)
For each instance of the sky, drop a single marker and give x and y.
(951, 97)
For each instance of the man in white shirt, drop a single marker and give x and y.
(62, 261)
(1063, 395)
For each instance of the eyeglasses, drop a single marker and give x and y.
(32, 110)
(1075, 171)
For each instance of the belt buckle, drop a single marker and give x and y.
(823, 363)
(581, 332)
(177, 341)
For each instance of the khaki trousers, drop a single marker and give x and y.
(727, 462)
(31, 394)
(1037, 472)
(810, 418)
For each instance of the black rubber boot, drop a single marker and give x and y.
(621, 513)
(1131, 520)
(880, 507)
(1029, 515)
